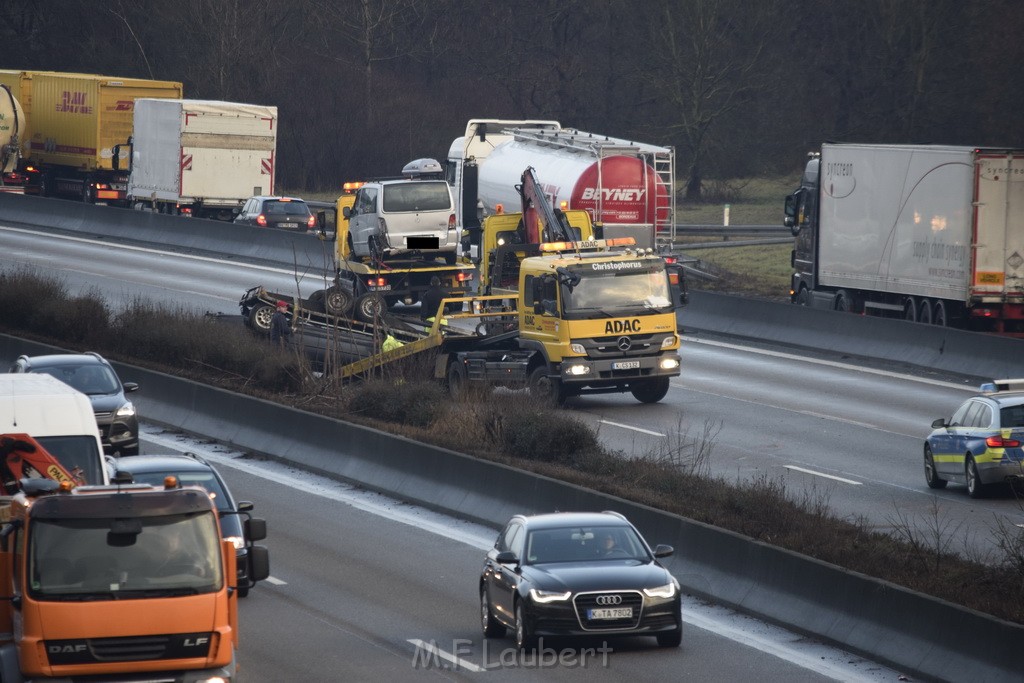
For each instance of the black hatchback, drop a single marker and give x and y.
(284, 213)
(236, 522)
(578, 574)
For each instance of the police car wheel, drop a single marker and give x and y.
(931, 476)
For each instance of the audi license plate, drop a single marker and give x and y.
(288, 225)
(610, 613)
(626, 365)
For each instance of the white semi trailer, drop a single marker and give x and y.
(200, 157)
(929, 233)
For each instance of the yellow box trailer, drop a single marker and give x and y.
(78, 130)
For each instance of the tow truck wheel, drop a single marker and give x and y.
(338, 301)
(456, 382)
(544, 387)
(650, 390)
(370, 306)
(259, 318)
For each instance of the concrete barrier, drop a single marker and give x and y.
(174, 233)
(924, 346)
(909, 631)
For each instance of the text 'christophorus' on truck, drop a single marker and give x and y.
(119, 582)
(929, 233)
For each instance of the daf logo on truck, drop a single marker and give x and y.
(66, 649)
(620, 326)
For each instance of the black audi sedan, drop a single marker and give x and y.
(236, 522)
(578, 574)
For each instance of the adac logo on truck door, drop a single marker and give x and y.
(72, 102)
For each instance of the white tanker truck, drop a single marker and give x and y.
(12, 120)
(627, 187)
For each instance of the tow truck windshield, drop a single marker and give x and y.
(637, 288)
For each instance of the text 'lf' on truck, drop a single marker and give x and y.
(932, 234)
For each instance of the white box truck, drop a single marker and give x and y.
(58, 417)
(930, 233)
(199, 157)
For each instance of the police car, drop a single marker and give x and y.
(981, 444)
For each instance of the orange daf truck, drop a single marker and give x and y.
(122, 582)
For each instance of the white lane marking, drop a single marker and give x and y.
(276, 581)
(801, 412)
(636, 429)
(147, 250)
(832, 364)
(823, 416)
(433, 649)
(822, 474)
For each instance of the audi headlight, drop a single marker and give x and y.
(236, 541)
(668, 341)
(126, 410)
(669, 363)
(666, 591)
(577, 348)
(548, 596)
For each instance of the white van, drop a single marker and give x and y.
(401, 217)
(58, 417)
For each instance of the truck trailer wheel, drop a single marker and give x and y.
(338, 301)
(650, 390)
(259, 318)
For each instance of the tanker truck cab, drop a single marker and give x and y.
(603, 321)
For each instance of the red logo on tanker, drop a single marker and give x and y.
(625, 193)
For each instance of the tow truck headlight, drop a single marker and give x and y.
(549, 596)
(578, 369)
(577, 348)
(126, 410)
(236, 541)
(668, 341)
(669, 363)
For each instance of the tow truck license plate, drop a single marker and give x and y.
(626, 365)
(611, 613)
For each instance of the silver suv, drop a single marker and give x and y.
(411, 215)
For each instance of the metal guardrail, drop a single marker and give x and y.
(726, 230)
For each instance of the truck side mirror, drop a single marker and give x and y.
(347, 212)
(790, 212)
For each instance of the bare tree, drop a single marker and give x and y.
(705, 60)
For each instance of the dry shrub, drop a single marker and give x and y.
(417, 404)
